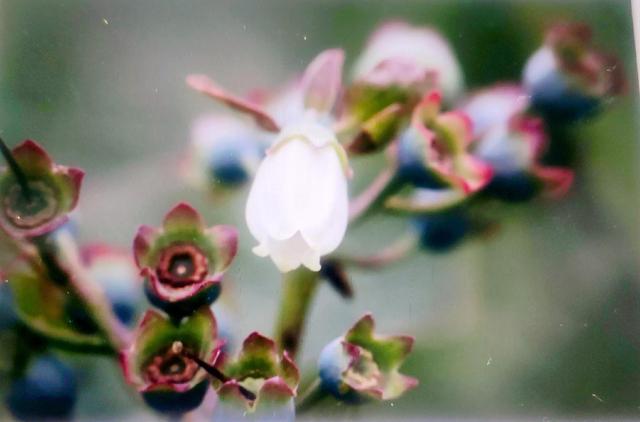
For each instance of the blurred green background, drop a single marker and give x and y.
(541, 320)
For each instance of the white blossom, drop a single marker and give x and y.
(298, 205)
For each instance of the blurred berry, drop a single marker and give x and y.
(46, 392)
(442, 232)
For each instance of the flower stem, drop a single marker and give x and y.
(311, 396)
(397, 251)
(87, 289)
(380, 188)
(298, 289)
(16, 170)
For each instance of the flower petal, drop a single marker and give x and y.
(322, 80)
(290, 253)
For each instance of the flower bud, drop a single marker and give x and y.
(184, 261)
(567, 78)
(37, 199)
(378, 131)
(47, 391)
(224, 153)
(401, 55)
(271, 378)
(298, 205)
(361, 365)
(160, 362)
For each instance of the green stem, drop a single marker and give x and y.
(311, 396)
(298, 289)
(87, 290)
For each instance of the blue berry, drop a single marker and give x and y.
(47, 391)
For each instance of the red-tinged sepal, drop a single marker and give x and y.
(568, 79)
(184, 262)
(53, 192)
(514, 149)
(362, 365)
(322, 81)
(182, 217)
(556, 181)
(32, 158)
(433, 152)
(160, 361)
(273, 379)
(225, 238)
(208, 87)
(142, 243)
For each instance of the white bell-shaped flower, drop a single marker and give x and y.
(298, 205)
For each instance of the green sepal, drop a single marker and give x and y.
(378, 131)
(158, 332)
(365, 100)
(388, 352)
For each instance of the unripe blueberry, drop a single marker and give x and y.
(47, 391)
(442, 232)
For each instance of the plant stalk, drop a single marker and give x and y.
(298, 289)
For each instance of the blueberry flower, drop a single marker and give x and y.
(37, 194)
(162, 362)
(47, 391)
(362, 365)
(117, 274)
(273, 380)
(184, 261)
(567, 78)
(306, 166)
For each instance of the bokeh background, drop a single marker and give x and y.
(541, 320)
